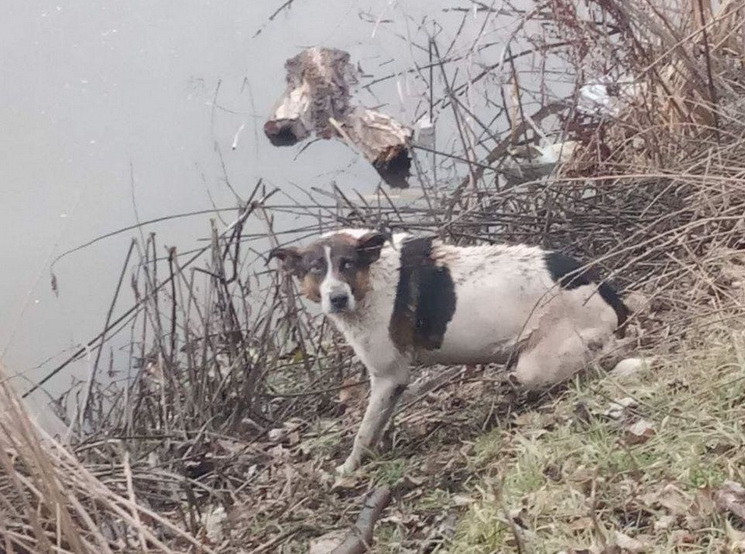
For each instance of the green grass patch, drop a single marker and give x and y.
(573, 477)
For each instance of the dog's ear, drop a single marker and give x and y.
(289, 256)
(369, 246)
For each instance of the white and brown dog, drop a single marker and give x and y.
(420, 301)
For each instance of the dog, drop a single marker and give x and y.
(408, 300)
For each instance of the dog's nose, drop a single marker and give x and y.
(339, 301)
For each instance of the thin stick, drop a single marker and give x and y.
(359, 538)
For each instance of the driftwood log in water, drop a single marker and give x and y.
(320, 82)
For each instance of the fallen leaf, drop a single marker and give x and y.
(349, 481)
(326, 543)
(681, 536)
(665, 522)
(213, 520)
(352, 392)
(672, 498)
(462, 500)
(731, 498)
(704, 501)
(616, 408)
(627, 402)
(415, 480)
(675, 500)
(279, 452)
(719, 448)
(530, 419)
(581, 524)
(640, 432)
(629, 544)
(277, 435)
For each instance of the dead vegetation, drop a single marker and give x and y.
(320, 83)
(221, 431)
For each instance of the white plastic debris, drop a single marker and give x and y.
(608, 96)
(424, 132)
(530, 162)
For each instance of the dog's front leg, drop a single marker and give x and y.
(384, 393)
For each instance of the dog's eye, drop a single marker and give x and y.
(346, 265)
(316, 266)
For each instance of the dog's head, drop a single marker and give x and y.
(334, 270)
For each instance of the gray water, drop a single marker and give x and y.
(113, 112)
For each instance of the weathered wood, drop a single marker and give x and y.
(359, 538)
(317, 100)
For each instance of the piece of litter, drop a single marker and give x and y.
(425, 133)
(531, 162)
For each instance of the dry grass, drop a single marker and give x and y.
(569, 477)
(51, 502)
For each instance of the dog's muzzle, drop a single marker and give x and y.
(339, 302)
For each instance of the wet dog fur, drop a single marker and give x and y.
(416, 300)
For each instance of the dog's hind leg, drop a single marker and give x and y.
(560, 353)
(385, 391)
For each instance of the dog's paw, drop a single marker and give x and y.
(349, 466)
(511, 382)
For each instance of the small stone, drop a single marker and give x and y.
(278, 434)
(326, 543)
(630, 367)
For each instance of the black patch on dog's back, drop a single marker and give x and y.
(425, 298)
(568, 273)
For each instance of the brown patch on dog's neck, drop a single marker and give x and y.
(361, 284)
